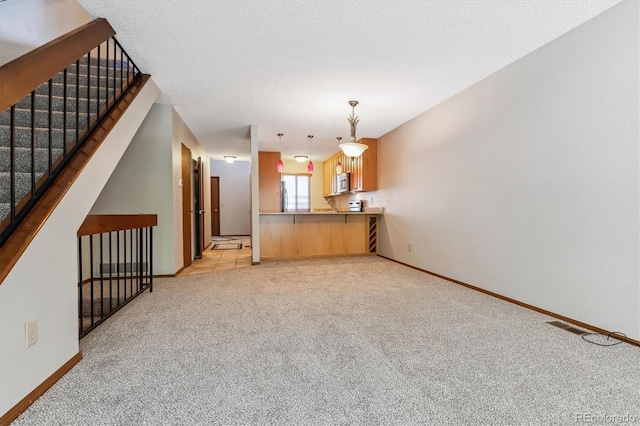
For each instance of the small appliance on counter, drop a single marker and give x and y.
(355, 205)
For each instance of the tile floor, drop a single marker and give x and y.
(218, 260)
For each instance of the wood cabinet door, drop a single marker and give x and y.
(369, 165)
(326, 177)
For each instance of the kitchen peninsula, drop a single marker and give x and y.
(317, 234)
(331, 228)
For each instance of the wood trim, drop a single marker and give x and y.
(100, 223)
(26, 402)
(515, 302)
(21, 76)
(17, 243)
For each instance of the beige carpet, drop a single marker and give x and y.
(337, 341)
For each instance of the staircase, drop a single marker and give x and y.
(51, 123)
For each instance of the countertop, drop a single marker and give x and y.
(328, 212)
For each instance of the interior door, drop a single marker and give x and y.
(186, 206)
(197, 207)
(215, 206)
(201, 209)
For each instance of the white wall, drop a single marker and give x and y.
(26, 25)
(235, 196)
(43, 285)
(146, 181)
(140, 184)
(527, 183)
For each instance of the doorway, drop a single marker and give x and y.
(198, 211)
(186, 206)
(215, 206)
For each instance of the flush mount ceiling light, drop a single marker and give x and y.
(229, 159)
(353, 148)
(310, 165)
(280, 163)
(301, 158)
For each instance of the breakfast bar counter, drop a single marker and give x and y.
(318, 234)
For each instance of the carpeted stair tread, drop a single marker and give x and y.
(23, 137)
(23, 158)
(23, 118)
(23, 186)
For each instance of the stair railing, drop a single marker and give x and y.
(51, 100)
(115, 265)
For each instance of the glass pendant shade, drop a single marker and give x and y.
(280, 163)
(339, 168)
(353, 149)
(310, 164)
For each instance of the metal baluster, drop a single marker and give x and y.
(64, 113)
(91, 276)
(106, 86)
(77, 100)
(110, 272)
(98, 90)
(118, 265)
(115, 44)
(50, 127)
(140, 259)
(12, 165)
(88, 93)
(33, 144)
(121, 73)
(131, 256)
(80, 325)
(150, 259)
(124, 245)
(101, 279)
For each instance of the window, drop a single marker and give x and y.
(296, 191)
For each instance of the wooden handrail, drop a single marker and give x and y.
(23, 75)
(100, 223)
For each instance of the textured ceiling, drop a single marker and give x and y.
(291, 66)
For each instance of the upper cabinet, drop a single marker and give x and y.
(363, 169)
(269, 181)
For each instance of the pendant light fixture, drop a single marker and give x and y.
(310, 164)
(280, 163)
(339, 165)
(353, 149)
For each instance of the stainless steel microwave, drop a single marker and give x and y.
(344, 182)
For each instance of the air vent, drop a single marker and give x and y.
(567, 327)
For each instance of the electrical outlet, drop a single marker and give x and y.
(409, 247)
(31, 332)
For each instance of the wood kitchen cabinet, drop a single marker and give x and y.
(364, 173)
(363, 169)
(269, 181)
